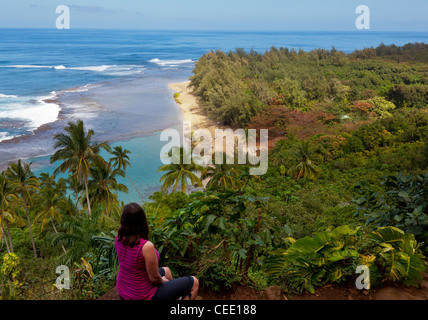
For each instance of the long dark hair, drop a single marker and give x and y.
(133, 222)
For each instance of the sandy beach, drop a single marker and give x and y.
(192, 112)
(191, 109)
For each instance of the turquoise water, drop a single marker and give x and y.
(145, 161)
(117, 83)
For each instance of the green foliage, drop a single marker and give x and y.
(9, 271)
(290, 93)
(224, 225)
(414, 96)
(308, 101)
(78, 233)
(407, 126)
(78, 153)
(404, 204)
(121, 161)
(217, 276)
(381, 107)
(103, 185)
(415, 51)
(332, 257)
(328, 257)
(368, 137)
(10, 265)
(106, 263)
(176, 98)
(237, 86)
(169, 202)
(23, 183)
(178, 172)
(396, 256)
(305, 168)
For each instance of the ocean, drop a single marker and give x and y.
(116, 81)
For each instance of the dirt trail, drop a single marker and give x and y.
(328, 292)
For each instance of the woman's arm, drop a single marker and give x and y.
(152, 264)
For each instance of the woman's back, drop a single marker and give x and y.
(133, 280)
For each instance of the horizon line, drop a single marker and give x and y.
(210, 30)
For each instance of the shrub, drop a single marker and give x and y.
(332, 257)
(393, 256)
(369, 136)
(217, 276)
(176, 98)
(415, 96)
(9, 271)
(404, 204)
(381, 106)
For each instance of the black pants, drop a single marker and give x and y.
(174, 289)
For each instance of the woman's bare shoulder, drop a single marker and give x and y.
(148, 246)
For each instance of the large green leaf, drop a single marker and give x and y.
(309, 245)
(388, 235)
(209, 221)
(334, 274)
(345, 230)
(342, 255)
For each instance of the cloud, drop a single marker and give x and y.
(89, 9)
(99, 9)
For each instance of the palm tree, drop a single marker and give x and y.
(23, 181)
(79, 234)
(50, 203)
(179, 173)
(221, 176)
(304, 168)
(280, 153)
(121, 161)
(5, 217)
(70, 208)
(104, 182)
(78, 153)
(72, 183)
(47, 180)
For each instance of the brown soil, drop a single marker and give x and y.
(346, 291)
(236, 293)
(328, 292)
(335, 292)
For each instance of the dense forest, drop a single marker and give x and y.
(347, 183)
(236, 87)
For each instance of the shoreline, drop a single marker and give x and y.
(190, 108)
(192, 111)
(78, 102)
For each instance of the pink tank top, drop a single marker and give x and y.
(132, 279)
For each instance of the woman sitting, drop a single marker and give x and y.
(140, 277)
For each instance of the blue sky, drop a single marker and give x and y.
(386, 15)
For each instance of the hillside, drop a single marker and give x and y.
(346, 186)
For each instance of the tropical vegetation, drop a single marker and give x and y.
(346, 184)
